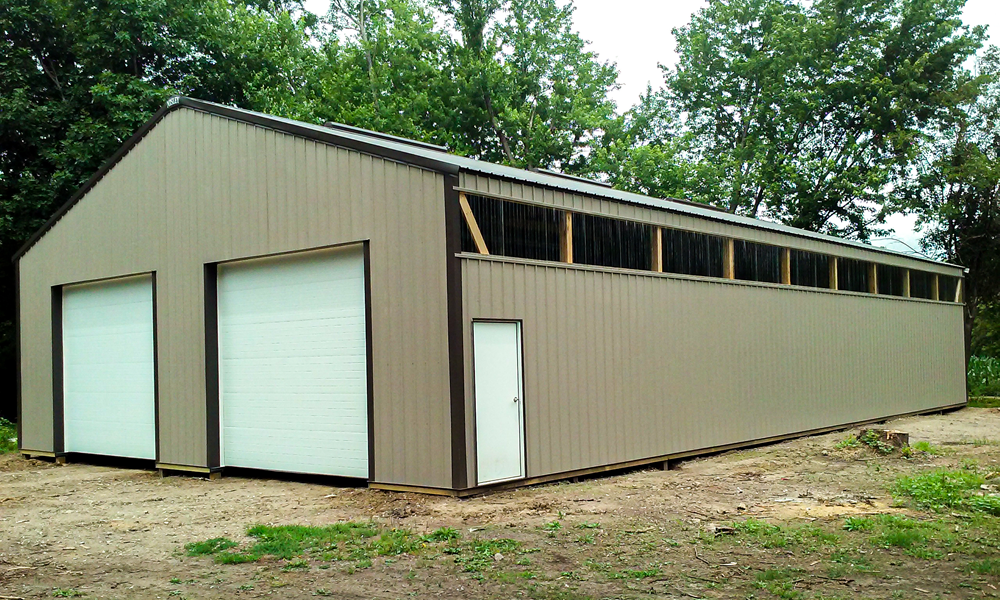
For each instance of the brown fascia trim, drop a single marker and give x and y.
(213, 444)
(17, 350)
(456, 334)
(329, 137)
(58, 400)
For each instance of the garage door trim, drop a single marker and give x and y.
(213, 357)
(58, 363)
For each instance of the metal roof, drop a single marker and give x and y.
(432, 157)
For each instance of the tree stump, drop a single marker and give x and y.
(896, 439)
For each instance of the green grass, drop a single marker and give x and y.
(358, 542)
(760, 533)
(944, 490)
(209, 546)
(8, 437)
(780, 582)
(850, 441)
(927, 448)
(984, 402)
(916, 538)
(66, 593)
(989, 566)
(480, 554)
(984, 376)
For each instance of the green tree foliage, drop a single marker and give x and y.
(986, 330)
(496, 79)
(532, 94)
(956, 193)
(807, 112)
(80, 76)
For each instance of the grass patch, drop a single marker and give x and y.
(989, 566)
(480, 555)
(358, 542)
(948, 490)
(766, 535)
(66, 593)
(984, 376)
(8, 436)
(780, 582)
(635, 574)
(985, 402)
(850, 441)
(915, 538)
(922, 447)
(209, 546)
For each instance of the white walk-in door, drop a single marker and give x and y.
(293, 363)
(108, 373)
(499, 404)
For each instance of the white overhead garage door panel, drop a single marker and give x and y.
(108, 374)
(293, 363)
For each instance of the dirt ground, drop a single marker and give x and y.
(98, 532)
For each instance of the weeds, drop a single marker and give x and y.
(209, 546)
(765, 535)
(985, 402)
(8, 436)
(850, 441)
(871, 439)
(895, 531)
(484, 553)
(359, 542)
(989, 566)
(949, 490)
(66, 593)
(984, 376)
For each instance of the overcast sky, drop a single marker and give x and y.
(636, 35)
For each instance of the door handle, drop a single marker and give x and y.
(515, 398)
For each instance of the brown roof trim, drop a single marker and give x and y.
(283, 125)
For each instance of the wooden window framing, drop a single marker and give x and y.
(728, 258)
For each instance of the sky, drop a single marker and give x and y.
(636, 35)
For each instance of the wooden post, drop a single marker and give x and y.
(872, 278)
(936, 288)
(729, 259)
(906, 283)
(834, 276)
(958, 290)
(566, 238)
(657, 249)
(786, 266)
(470, 220)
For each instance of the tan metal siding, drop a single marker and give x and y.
(199, 189)
(556, 198)
(622, 365)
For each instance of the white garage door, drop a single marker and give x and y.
(293, 369)
(108, 375)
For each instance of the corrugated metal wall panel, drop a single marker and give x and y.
(622, 366)
(202, 189)
(557, 198)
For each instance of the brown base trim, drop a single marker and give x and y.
(185, 468)
(414, 489)
(669, 458)
(37, 454)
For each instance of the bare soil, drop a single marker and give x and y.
(106, 532)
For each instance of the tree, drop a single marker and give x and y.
(392, 75)
(642, 151)
(80, 76)
(806, 112)
(532, 94)
(956, 193)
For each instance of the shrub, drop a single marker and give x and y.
(984, 376)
